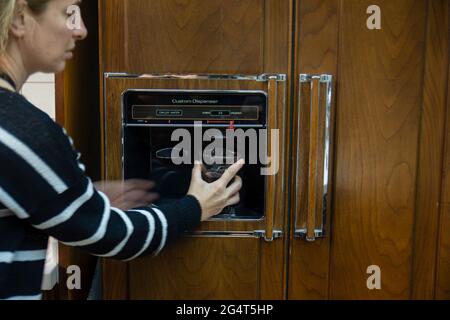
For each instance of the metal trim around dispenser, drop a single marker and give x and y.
(222, 77)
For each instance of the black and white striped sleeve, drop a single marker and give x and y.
(44, 184)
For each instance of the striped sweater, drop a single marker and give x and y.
(44, 192)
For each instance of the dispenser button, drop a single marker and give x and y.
(220, 113)
(169, 113)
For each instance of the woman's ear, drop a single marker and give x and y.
(18, 23)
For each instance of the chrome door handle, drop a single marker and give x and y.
(314, 133)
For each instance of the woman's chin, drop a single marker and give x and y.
(61, 66)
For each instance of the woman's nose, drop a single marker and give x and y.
(80, 33)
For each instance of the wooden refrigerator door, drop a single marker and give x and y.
(197, 37)
(380, 237)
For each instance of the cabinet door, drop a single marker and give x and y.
(389, 101)
(248, 37)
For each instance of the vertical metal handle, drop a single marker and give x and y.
(272, 119)
(313, 175)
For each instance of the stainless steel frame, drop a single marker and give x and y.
(260, 78)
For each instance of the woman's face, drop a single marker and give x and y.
(50, 40)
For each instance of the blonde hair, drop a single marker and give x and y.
(7, 12)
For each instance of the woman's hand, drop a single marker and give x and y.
(128, 194)
(215, 196)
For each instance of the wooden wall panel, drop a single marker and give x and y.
(114, 280)
(316, 53)
(192, 36)
(113, 41)
(277, 49)
(431, 151)
(272, 271)
(443, 256)
(199, 269)
(189, 36)
(379, 106)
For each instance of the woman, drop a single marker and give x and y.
(43, 189)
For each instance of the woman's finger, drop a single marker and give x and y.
(234, 200)
(197, 171)
(231, 172)
(234, 187)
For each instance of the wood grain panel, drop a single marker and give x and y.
(315, 53)
(114, 280)
(380, 99)
(199, 268)
(273, 273)
(431, 151)
(192, 36)
(113, 40)
(443, 258)
(277, 37)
